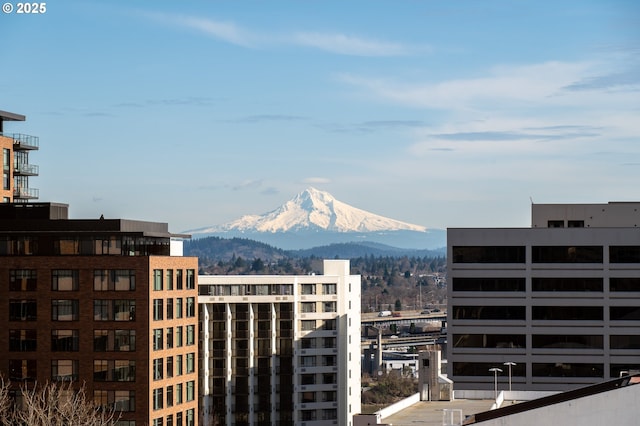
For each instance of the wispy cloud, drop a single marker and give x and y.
(269, 117)
(247, 184)
(343, 44)
(316, 180)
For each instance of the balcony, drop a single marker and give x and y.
(26, 193)
(23, 142)
(26, 170)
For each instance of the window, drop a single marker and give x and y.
(179, 279)
(23, 369)
(178, 393)
(625, 342)
(179, 336)
(308, 325)
(624, 254)
(329, 289)
(65, 340)
(555, 224)
(178, 365)
(119, 370)
(157, 279)
(64, 280)
(489, 254)
(489, 312)
(308, 289)
(567, 313)
(307, 361)
(114, 340)
(306, 397)
(308, 343)
(23, 340)
(191, 335)
(114, 279)
(157, 403)
(330, 324)
(169, 367)
(170, 396)
(179, 307)
(191, 279)
(64, 370)
(624, 284)
(190, 390)
(563, 341)
(157, 368)
(308, 307)
(329, 414)
(169, 308)
(22, 310)
(158, 421)
(157, 309)
(329, 342)
(329, 378)
(308, 379)
(169, 279)
(575, 224)
(329, 307)
(64, 310)
(489, 341)
(560, 369)
(191, 307)
(157, 339)
(567, 284)
(169, 337)
(482, 369)
(120, 400)
(329, 360)
(488, 284)
(23, 280)
(566, 254)
(114, 310)
(624, 313)
(191, 362)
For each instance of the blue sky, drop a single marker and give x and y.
(438, 113)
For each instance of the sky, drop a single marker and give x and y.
(440, 113)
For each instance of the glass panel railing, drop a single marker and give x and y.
(22, 141)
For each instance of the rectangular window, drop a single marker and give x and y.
(191, 335)
(65, 340)
(157, 309)
(23, 340)
(624, 313)
(191, 390)
(169, 333)
(114, 340)
(169, 308)
(64, 280)
(625, 342)
(178, 365)
(563, 341)
(179, 307)
(157, 368)
(157, 279)
(114, 279)
(64, 370)
(561, 369)
(65, 310)
(488, 254)
(23, 280)
(119, 370)
(566, 254)
(178, 393)
(488, 284)
(191, 279)
(157, 404)
(191, 362)
(22, 310)
(114, 310)
(329, 289)
(329, 307)
(179, 336)
(308, 307)
(308, 325)
(179, 282)
(567, 313)
(191, 307)
(169, 279)
(489, 341)
(120, 400)
(169, 367)
(624, 254)
(567, 284)
(329, 324)
(308, 289)
(555, 224)
(489, 312)
(624, 284)
(169, 397)
(157, 339)
(23, 369)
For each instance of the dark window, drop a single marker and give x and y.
(624, 313)
(23, 369)
(179, 281)
(64, 369)
(22, 310)
(114, 340)
(482, 369)
(23, 280)
(157, 279)
(560, 369)
(119, 370)
(566, 254)
(555, 224)
(625, 342)
(114, 280)
(567, 284)
(488, 284)
(624, 284)
(624, 254)
(65, 340)
(575, 224)
(489, 341)
(157, 309)
(563, 341)
(567, 313)
(619, 370)
(191, 279)
(489, 312)
(64, 280)
(23, 340)
(489, 254)
(65, 310)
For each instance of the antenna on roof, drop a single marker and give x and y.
(531, 199)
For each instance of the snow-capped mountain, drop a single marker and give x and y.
(316, 217)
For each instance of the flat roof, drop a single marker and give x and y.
(431, 413)
(11, 116)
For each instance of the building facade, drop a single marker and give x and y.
(16, 168)
(280, 350)
(101, 302)
(561, 299)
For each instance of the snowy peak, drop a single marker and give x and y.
(317, 210)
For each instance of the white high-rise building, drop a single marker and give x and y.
(561, 299)
(280, 349)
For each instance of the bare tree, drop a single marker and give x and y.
(53, 404)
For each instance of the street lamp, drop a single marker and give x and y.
(510, 364)
(495, 371)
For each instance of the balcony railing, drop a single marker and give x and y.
(23, 142)
(26, 169)
(26, 193)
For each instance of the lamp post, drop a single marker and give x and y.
(510, 364)
(495, 371)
